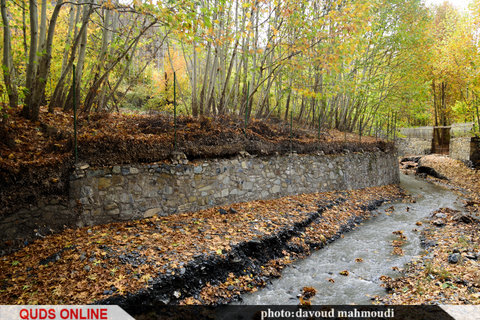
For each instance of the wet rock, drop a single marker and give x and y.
(440, 215)
(409, 165)
(438, 222)
(461, 282)
(231, 210)
(53, 258)
(222, 211)
(425, 244)
(471, 256)
(230, 288)
(454, 258)
(410, 159)
(464, 218)
(431, 172)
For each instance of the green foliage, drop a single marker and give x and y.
(339, 64)
(135, 99)
(158, 103)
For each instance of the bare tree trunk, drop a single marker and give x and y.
(80, 62)
(24, 29)
(103, 54)
(73, 18)
(72, 23)
(32, 59)
(91, 92)
(287, 105)
(43, 28)
(44, 64)
(8, 69)
(58, 97)
(194, 82)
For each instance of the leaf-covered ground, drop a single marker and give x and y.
(464, 179)
(450, 271)
(91, 264)
(36, 157)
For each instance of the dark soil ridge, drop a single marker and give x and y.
(245, 258)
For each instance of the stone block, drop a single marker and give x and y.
(168, 190)
(206, 188)
(126, 198)
(114, 212)
(275, 189)
(117, 179)
(104, 183)
(111, 206)
(134, 170)
(137, 189)
(247, 185)
(151, 212)
(95, 173)
(86, 191)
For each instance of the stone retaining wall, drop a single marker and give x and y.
(413, 146)
(460, 148)
(102, 195)
(466, 149)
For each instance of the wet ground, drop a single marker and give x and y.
(366, 253)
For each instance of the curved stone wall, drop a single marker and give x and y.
(102, 195)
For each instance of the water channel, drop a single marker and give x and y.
(371, 242)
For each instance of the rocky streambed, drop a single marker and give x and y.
(351, 270)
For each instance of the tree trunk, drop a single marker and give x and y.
(43, 28)
(58, 98)
(72, 21)
(24, 29)
(32, 60)
(44, 65)
(80, 62)
(8, 69)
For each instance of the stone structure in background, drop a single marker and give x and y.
(126, 192)
(414, 141)
(461, 144)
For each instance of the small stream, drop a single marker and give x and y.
(371, 242)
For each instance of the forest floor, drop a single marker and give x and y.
(206, 257)
(449, 273)
(36, 158)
